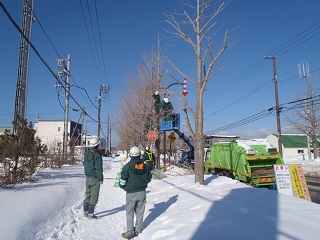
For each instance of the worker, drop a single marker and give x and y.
(94, 178)
(157, 103)
(149, 158)
(135, 177)
(167, 109)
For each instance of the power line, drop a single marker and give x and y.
(37, 53)
(283, 48)
(56, 51)
(98, 24)
(298, 104)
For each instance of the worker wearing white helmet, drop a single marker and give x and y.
(157, 101)
(149, 158)
(94, 177)
(167, 109)
(134, 180)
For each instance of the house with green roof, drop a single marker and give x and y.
(292, 144)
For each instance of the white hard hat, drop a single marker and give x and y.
(166, 100)
(94, 142)
(134, 152)
(156, 93)
(147, 148)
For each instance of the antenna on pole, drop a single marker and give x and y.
(304, 73)
(20, 107)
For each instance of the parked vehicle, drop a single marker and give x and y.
(185, 157)
(250, 162)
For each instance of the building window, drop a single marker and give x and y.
(58, 129)
(300, 151)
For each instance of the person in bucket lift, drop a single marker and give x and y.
(135, 177)
(167, 109)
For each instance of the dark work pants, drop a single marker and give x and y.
(92, 191)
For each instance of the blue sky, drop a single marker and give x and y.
(129, 29)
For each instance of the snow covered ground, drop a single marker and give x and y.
(177, 208)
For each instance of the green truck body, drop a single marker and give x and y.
(247, 162)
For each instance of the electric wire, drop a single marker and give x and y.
(38, 54)
(56, 51)
(43, 30)
(90, 43)
(94, 39)
(283, 48)
(101, 49)
(301, 103)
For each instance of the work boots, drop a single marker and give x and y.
(91, 212)
(85, 209)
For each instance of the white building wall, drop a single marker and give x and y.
(287, 152)
(50, 131)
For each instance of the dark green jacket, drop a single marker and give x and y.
(135, 176)
(167, 106)
(93, 165)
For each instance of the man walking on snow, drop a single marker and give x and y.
(135, 177)
(94, 173)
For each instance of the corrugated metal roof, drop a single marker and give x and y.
(294, 141)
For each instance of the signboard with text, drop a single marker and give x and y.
(290, 180)
(300, 187)
(283, 178)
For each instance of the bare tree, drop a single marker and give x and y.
(197, 26)
(306, 120)
(137, 103)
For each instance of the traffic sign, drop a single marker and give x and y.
(152, 135)
(172, 137)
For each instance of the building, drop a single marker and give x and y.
(3, 129)
(292, 144)
(50, 131)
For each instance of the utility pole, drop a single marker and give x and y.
(82, 123)
(103, 89)
(86, 132)
(275, 79)
(20, 107)
(108, 126)
(110, 137)
(64, 73)
(304, 73)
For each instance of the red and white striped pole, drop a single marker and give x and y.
(184, 92)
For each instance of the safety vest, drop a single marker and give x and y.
(150, 157)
